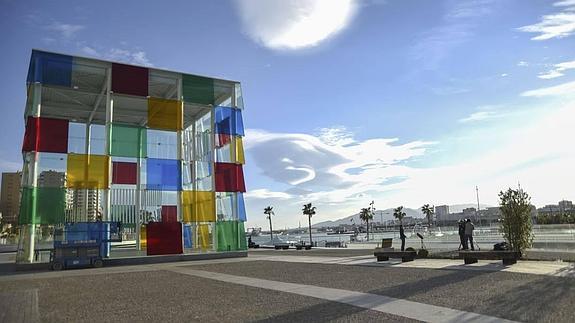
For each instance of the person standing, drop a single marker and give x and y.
(469, 227)
(402, 237)
(462, 240)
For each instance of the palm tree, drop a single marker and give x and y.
(428, 211)
(269, 212)
(399, 214)
(309, 211)
(365, 215)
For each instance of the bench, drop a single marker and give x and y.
(508, 257)
(383, 254)
(300, 246)
(283, 246)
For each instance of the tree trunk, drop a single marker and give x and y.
(367, 230)
(309, 220)
(271, 230)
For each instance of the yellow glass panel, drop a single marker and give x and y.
(204, 239)
(199, 206)
(240, 159)
(164, 114)
(87, 171)
(143, 237)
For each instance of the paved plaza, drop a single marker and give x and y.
(316, 285)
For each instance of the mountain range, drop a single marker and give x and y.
(387, 214)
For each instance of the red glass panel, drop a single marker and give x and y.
(124, 173)
(128, 79)
(46, 135)
(164, 238)
(229, 178)
(169, 213)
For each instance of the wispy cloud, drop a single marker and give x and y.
(557, 70)
(66, 31)
(137, 57)
(295, 24)
(557, 25)
(459, 23)
(561, 89)
(484, 113)
(376, 169)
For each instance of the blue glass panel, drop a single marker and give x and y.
(163, 174)
(48, 68)
(187, 235)
(241, 208)
(229, 121)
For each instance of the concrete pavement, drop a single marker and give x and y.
(333, 287)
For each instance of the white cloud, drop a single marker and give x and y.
(137, 57)
(266, 194)
(561, 89)
(481, 116)
(66, 31)
(295, 24)
(550, 75)
(522, 64)
(564, 3)
(556, 25)
(535, 153)
(557, 70)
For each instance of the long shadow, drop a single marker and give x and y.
(548, 299)
(325, 312)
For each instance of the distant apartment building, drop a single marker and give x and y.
(10, 197)
(51, 178)
(560, 207)
(441, 213)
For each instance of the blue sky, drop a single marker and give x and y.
(403, 102)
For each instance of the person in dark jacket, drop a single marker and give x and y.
(469, 227)
(462, 239)
(402, 237)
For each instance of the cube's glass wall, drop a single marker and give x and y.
(161, 152)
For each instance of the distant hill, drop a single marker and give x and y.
(377, 217)
(388, 215)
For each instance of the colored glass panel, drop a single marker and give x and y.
(229, 178)
(169, 213)
(199, 206)
(241, 208)
(127, 79)
(87, 171)
(163, 174)
(204, 236)
(197, 89)
(165, 114)
(240, 158)
(143, 237)
(231, 236)
(164, 238)
(46, 135)
(229, 121)
(124, 173)
(128, 141)
(187, 236)
(223, 139)
(50, 69)
(42, 205)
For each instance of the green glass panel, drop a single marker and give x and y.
(197, 89)
(128, 141)
(227, 240)
(243, 245)
(42, 205)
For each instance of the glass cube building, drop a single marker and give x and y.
(159, 151)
